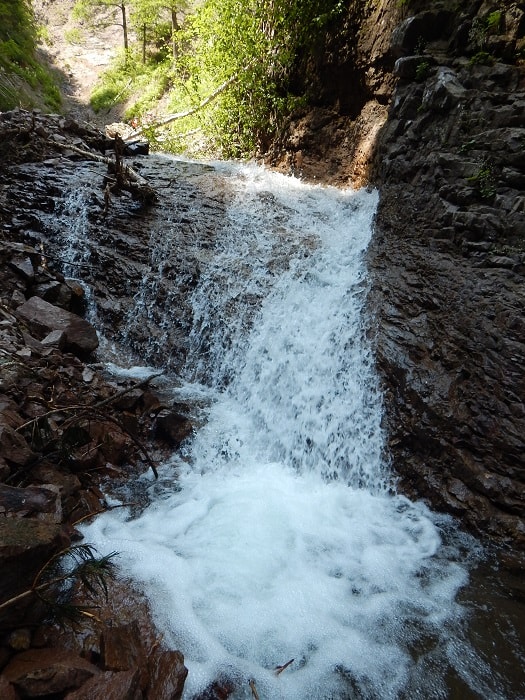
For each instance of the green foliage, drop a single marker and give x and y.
(250, 46)
(73, 36)
(469, 145)
(62, 575)
(482, 58)
(258, 42)
(114, 84)
(482, 27)
(484, 180)
(104, 13)
(127, 76)
(422, 71)
(88, 10)
(18, 65)
(493, 21)
(59, 579)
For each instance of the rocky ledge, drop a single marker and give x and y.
(67, 426)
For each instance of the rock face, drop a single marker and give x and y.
(448, 262)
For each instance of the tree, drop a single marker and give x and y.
(158, 15)
(102, 13)
(260, 42)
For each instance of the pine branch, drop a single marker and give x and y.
(89, 570)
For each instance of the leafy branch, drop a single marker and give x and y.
(80, 565)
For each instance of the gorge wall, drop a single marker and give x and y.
(427, 105)
(432, 112)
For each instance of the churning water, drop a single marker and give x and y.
(284, 538)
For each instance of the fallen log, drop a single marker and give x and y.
(157, 124)
(126, 178)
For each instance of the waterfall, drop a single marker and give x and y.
(72, 224)
(284, 538)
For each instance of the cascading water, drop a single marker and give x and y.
(284, 537)
(75, 248)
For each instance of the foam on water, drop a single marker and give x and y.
(284, 538)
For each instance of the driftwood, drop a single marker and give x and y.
(125, 177)
(280, 669)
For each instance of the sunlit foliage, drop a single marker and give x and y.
(20, 72)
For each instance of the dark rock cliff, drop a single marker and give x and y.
(449, 260)
(432, 112)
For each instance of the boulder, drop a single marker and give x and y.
(172, 427)
(26, 544)
(43, 318)
(407, 67)
(38, 672)
(420, 28)
(167, 675)
(123, 685)
(19, 502)
(13, 446)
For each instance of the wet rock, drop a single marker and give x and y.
(136, 148)
(20, 502)
(4, 469)
(13, 446)
(26, 544)
(167, 675)
(444, 91)
(110, 686)
(38, 672)
(121, 649)
(24, 267)
(44, 318)
(172, 427)
(46, 473)
(55, 339)
(108, 441)
(84, 503)
(7, 690)
(55, 293)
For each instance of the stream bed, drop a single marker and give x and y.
(277, 532)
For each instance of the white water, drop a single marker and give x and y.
(283, 539)
(72, 225)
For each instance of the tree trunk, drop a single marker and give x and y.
(124, 25)
(174, 28)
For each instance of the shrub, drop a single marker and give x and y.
(484, 180)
